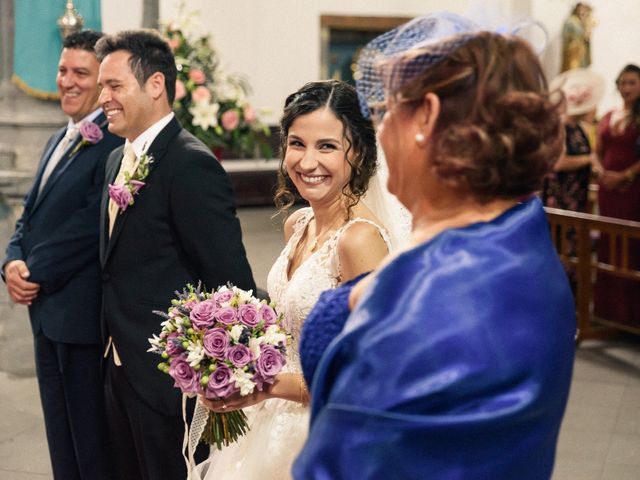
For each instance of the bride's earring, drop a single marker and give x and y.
(420, 138)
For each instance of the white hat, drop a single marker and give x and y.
(582, 88)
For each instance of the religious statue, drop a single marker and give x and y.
(576, 38)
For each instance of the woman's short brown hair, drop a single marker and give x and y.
(498, 132)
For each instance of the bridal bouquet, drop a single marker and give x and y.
(218, 344)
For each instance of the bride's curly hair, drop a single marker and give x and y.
(498, 132)
(342, 99)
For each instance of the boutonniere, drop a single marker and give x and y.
(91, 134)
(122, 193)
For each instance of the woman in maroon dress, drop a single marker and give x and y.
(618, 149)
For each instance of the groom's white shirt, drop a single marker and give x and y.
(146, 138)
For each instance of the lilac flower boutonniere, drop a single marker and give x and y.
(122, 193)
(91, 134)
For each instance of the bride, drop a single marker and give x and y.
(329, 155)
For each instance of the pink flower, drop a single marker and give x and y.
(249, 114)
(136, 185)
(181, 90)
(201, 94)
(197, 76)
(91, 132)
(230, 119)
(121, 195)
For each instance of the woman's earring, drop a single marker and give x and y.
(420, 139)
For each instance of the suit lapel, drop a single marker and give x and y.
(67, 159)
(33, 198)
(157, 150)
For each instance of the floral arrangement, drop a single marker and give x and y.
(91, 134)
(220, 344)
(211, 104)
(122, 193)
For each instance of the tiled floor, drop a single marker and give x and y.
(600, 437)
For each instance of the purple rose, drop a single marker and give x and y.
(174, 346)
(239, 355)
(223, 297)
(136, 185)
(269, 363)
(248, 315)
(185, 377)
(226, 315)
(216, 342)
(202, 314)
(121, 196)
(91, 132)
(220, 384)
(268, 315)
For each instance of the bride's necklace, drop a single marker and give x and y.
(313, 245)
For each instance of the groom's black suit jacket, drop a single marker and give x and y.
(181, 229)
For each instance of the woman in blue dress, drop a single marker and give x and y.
(456, 359)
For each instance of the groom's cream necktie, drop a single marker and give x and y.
(129, 164)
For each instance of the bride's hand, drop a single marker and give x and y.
(236, 402)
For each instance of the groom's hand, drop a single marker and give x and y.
(20, 290)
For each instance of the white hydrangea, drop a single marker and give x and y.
(273, 337)
(235, 332)
(243, 381)
(244, 296)
(254, 346)
(196, 354)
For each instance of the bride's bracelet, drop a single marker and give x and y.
(304, 393)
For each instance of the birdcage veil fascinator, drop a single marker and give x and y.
(397, 57)
(420, 44)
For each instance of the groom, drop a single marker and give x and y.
(180, 227)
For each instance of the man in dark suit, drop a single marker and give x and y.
(178, 227)
(52, 265)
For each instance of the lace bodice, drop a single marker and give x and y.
(297, 295)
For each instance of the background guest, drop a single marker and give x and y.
(618, 149)
(457, 357)
(567, 186)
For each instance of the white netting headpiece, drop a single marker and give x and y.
(420, 44)
(434, 36)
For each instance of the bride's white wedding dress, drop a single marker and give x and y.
(278, 428)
